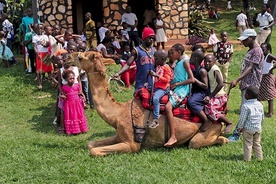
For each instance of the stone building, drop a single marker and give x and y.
(70, 13)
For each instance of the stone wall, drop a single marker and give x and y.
(174, 13)
(56, 12)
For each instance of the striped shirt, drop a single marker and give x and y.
(252, 115)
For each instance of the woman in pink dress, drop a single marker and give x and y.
(74, 117)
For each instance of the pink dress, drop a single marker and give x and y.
(74, 117)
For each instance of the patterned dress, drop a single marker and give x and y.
(267, 88)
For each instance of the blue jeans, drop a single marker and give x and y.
(158, 94)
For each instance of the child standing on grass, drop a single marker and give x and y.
(163, 77)
(223, 51)
(180, 86)
(250, 124)
(74, 118)
(267, 88)
(5, 52)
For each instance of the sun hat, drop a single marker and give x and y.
(247, 33)
(147, 32)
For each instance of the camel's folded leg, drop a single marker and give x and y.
(103, 142)
(112, 149)
(208, 138)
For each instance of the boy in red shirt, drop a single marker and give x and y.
(162, 79)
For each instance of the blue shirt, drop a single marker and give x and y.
(144, 63)
(252, 116)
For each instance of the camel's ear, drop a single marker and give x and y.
(99, 66)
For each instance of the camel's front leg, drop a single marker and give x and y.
(116, 148)
(103, 142)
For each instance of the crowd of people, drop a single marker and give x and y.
(201, 78)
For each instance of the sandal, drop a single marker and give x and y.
(153, 124)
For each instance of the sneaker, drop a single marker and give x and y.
(233, 138)
(153, 124)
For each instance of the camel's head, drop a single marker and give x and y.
(90, 61)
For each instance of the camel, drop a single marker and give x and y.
(121, 116)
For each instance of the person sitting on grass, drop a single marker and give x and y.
(163, 77)
(217, 97)
(128, 77)
(250, 124)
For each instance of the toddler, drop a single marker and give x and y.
(163, 77)
(73, 108)
(250, 124)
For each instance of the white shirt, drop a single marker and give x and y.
(130, 19)
(241, 18)
(76, 72)
(38, 39)
(102, 31)
(125, 36)
(100, 46)
(8, 26)
(264, 19)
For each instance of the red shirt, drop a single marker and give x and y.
(166, 75)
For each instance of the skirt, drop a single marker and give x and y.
(267, 88)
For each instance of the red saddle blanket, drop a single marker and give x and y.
(181, 111)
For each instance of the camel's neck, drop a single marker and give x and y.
(103, 100)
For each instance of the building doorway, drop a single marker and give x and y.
(140, 10)
(80, 7)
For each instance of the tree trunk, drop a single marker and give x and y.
(273, 8)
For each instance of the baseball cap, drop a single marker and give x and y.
(247, 33)
(147, 32)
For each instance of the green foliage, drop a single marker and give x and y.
(15, 11)
(197, 25)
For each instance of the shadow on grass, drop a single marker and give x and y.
(234, 157)
(74, 145)
(44, 121)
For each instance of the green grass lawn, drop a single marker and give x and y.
(31, 151)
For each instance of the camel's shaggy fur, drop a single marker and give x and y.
(120, 117)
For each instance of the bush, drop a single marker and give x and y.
(198, 28)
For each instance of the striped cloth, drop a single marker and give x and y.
(267, 88)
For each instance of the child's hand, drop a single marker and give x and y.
(63, 96)
(152, 73)
(173, 86)
(240, 130)
(206, 99)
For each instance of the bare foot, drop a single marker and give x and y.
(170, 142)
(228, 129)
(269, 115)
(205, 126)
